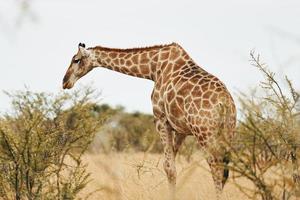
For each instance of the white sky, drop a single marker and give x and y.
(218, 35)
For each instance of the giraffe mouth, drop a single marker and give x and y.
(67, 85)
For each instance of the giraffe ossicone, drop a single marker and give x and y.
(81, 45)
(186, 99)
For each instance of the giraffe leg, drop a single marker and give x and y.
(166, 136)
(178, 140)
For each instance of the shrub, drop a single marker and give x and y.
(41, 144)
(266, 149)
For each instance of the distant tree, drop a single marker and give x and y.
(134, 131)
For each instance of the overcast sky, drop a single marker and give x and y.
(218, 35)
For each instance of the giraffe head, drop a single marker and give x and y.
(80, 65)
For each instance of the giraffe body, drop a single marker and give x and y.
(186, 99)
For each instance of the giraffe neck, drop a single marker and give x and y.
(138, 62)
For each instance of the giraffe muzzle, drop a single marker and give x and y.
(67, 84)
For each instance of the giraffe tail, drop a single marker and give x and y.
(226, 160)
(227, 124)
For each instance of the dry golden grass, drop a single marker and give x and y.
(138, 176)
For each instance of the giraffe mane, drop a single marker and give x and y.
(134, 49)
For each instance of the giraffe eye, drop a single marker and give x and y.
(76, 60)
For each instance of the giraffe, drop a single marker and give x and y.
(186, 99)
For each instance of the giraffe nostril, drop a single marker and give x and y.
(65, 82)
(65, 79)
